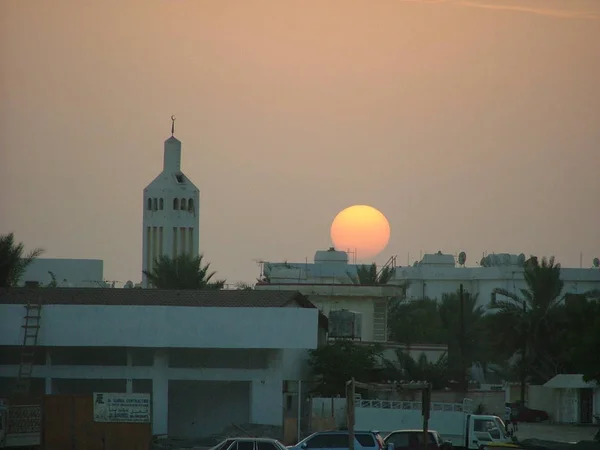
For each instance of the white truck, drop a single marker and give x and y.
(20, 425)
(453, 421)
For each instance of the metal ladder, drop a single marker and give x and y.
(30, 339)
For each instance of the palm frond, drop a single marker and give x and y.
(13, 262)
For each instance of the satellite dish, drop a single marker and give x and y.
(462, 258)
(596, 262)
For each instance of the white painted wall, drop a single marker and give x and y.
(166, 326)
(186, 402)
(425, 280)
(433, 282)
(68, 272)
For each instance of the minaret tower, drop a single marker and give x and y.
(171, 210)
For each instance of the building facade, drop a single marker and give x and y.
(369, 306)
(66, 272)
(207, 358)
(432, 277)
(171, 206)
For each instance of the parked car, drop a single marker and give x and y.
(524, 414)
(338, 440)
(413, 439)
(246, 443)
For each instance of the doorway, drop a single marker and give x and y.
(586, 406)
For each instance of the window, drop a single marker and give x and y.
(366, 440)
(183, 204)
(486, 429)
(149, 204)
(179, 177)
(319, 441)
(338, 441)
(161, 204)
(175, 203)
(266, 446)
(245, 445)
(154, 204)
(190, 204)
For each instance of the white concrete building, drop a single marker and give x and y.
(368, 306)
(435, 275)
(208, 358)
(68, 272)
(573, 400)
(171, 222)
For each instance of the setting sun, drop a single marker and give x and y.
(360, 228)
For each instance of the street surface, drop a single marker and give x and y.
(564, 433)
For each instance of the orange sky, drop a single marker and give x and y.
(472, 125)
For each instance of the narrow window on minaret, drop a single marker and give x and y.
(154, 243)
(183, 204)
(161, 204)
(175, 203)
(174, 250)
(191, 205)
(160, 241)
(154, 204)
(149, 204)
(183, 250)
(148, 249)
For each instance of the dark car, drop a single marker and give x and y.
(413, 440)
(524, 414)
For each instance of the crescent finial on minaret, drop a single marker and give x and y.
(172, 125)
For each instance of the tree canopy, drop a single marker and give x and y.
(13, 260)
(370, 276)
(183, 272)
(337, 362)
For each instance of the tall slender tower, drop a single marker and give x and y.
(171, 210)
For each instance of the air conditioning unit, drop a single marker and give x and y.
(344, 324)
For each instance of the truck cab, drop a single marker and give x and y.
(482, 430)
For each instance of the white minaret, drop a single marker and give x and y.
(171, 210)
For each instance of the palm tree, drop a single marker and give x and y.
(369, 276)
(467, 345)
(415, 322)
(13, 261)
(183, 272)
(528, 317)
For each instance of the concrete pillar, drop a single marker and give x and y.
(160, 392)
(48, 379)
(266, 393)
(129, 381)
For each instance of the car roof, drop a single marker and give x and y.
(346, 431)
(412, 431)
(252, 439)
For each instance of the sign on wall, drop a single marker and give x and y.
(123, 408)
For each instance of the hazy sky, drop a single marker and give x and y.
(472, 125)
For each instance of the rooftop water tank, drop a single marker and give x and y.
(331, 256)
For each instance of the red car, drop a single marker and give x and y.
(524, 414)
